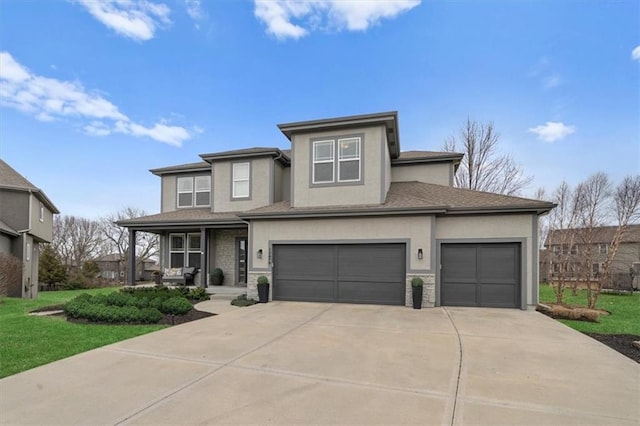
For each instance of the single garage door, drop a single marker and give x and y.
(344, 273)
(480, 275)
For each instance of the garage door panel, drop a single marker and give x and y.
(379, 293)
(486, 274)
(498, 263)
(297, 261)
(459, 294)
(464, 257)
(497, 296)
(386, 261)
(357, 273)
(304, 290)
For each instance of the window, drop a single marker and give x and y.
(182, 255)
(556, 250)
(194, 249)
(240, 180)
(595, 269)
(323, 159)
(194, 191)
(603, 248)
(326, 168)
(41, 213)
(185, 192)
(349, 160)
(574, 249)
(176, 250)
(203, 191)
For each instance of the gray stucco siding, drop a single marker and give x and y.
(438, 173)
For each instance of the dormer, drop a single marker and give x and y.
(342, 161)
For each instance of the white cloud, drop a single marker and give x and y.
(552, 131)
(195, 10)
(635, 53)
(551, 81)
(48, 99)
(136, 19)
(353, 15)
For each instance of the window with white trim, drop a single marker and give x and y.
(346, 166)
(603, 248)
(176, 250)
(349, 160)
(41, 213)
(203, 191)
(323, 160)
(194, 191)
(240, 180)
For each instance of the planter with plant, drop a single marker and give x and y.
(263, 289)
(416, 292)
(216, 277)
(157, 277)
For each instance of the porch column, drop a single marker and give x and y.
(132, 257)
(204, 269)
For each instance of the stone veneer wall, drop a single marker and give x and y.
(428, 290)
(252, 284)
(224, 253)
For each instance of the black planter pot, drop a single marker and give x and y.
(263, 293)
(417, 297)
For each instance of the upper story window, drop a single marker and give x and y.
(240, 185)
(603, 248)
(41, 213)
(194, 191)
(329, 168)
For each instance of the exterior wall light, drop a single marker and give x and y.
(259, 253)
(420, 253)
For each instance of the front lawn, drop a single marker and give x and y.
(29, 341)
(625, 311)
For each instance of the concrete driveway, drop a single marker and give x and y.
(287, 362)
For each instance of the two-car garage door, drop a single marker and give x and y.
(348, 273)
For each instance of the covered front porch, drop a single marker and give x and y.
(213, 241)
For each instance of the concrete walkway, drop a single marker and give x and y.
(287, 362)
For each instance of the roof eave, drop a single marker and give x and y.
(344, 213)
(39, 194)
(440, 159)
(277, 153)
(169, 170)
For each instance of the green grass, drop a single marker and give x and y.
(624, 318)
(29, 341)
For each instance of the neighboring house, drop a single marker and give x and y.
(567, 249)
(345, 216)
(26, 221)
(113, 266)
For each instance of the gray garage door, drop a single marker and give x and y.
(480, 275)
(347, 273)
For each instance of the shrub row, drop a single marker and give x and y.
(197, 294)
(141, 305)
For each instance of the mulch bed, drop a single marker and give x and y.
(622, 343)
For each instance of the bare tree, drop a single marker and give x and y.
(483, 167)
(77, 240)
(561, 220)
(147, 244)
(626, 205)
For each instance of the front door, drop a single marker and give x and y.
(241, 255)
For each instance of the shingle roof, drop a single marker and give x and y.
(413, 155)
(419, 196)
(182, 216)
(601, 234)
(11, 179)
(189, 167)
(247, 152)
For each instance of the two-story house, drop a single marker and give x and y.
(346, 216)
(578, 253)
(26, 221)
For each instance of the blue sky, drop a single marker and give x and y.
(93, 93)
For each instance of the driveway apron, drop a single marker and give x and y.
(289, 362)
